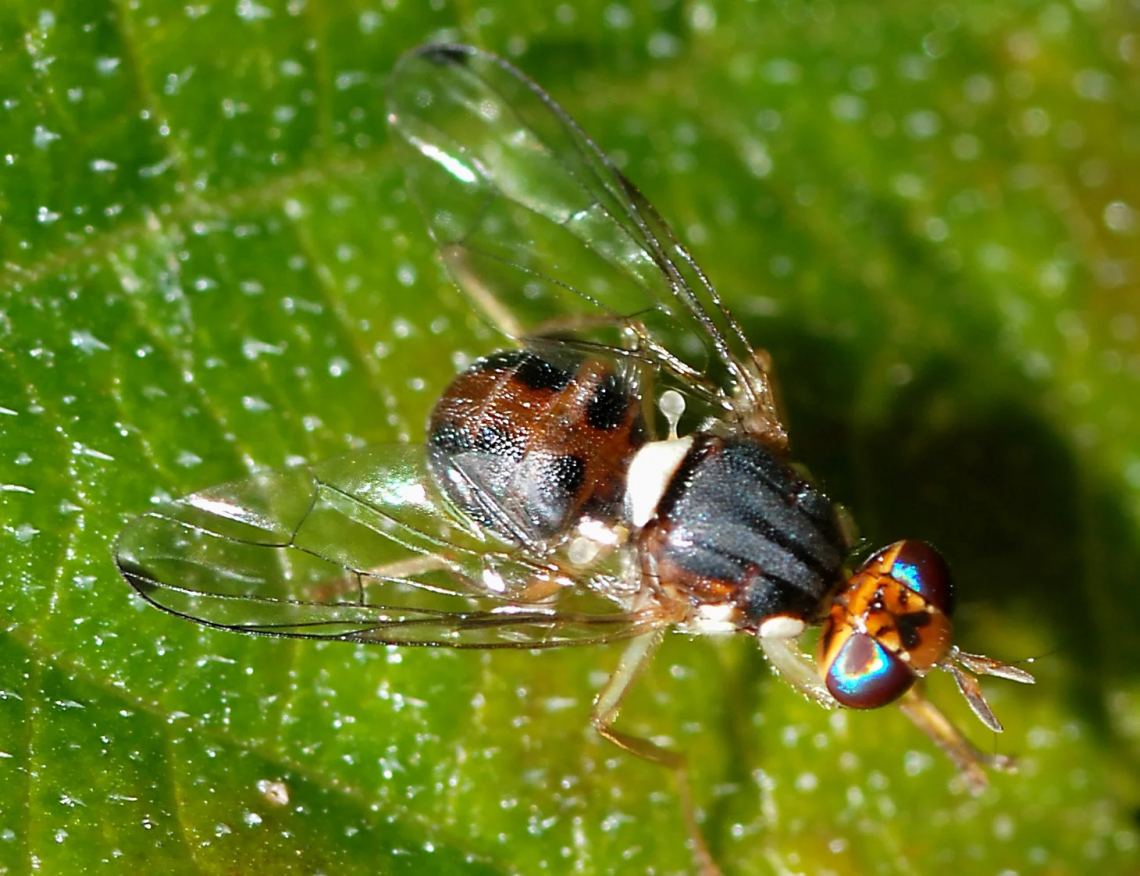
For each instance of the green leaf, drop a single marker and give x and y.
(929, 216)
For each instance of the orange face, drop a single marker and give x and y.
(887, 626)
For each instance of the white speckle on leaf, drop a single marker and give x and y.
(917, 762)
(80, 449)
(781, 71)
(275, 793)
(157, 169)
(1035, 122)
(922, 124)
(348, 78)
(848, 107)
(966, 147)
(247, 10)
(863, 78)
(42, 137)
(254, 404)
(1093, 85)
(908, 185)
(369, 21)
(618, 17)
(1120, 217)
(702, 17)
(1003, 826)
(662, 45)
(86, 342)
(252, 349)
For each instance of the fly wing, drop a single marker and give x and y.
(541, 230)
(360, 548)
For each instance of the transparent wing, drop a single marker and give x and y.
(360, 548)
(541, 229)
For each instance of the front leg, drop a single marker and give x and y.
(971, 762)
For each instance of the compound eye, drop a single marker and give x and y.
(921, 568)
(865, 675)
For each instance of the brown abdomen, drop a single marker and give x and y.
(527, 447)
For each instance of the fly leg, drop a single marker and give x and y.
(605, 712)
(968, 759)
(779, 639)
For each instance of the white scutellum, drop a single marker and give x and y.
(650, 472)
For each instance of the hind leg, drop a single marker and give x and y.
(606, 708)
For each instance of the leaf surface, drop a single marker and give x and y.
(209, 266)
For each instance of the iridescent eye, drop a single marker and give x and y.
(865, 675)
(921, 568)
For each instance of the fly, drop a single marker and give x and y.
(621, 470)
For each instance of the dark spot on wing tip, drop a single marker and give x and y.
(446, 55)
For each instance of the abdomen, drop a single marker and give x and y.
(527, 444)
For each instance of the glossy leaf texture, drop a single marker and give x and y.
(211, 269)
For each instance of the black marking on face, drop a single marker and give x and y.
(909, 626)
(607, 409)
